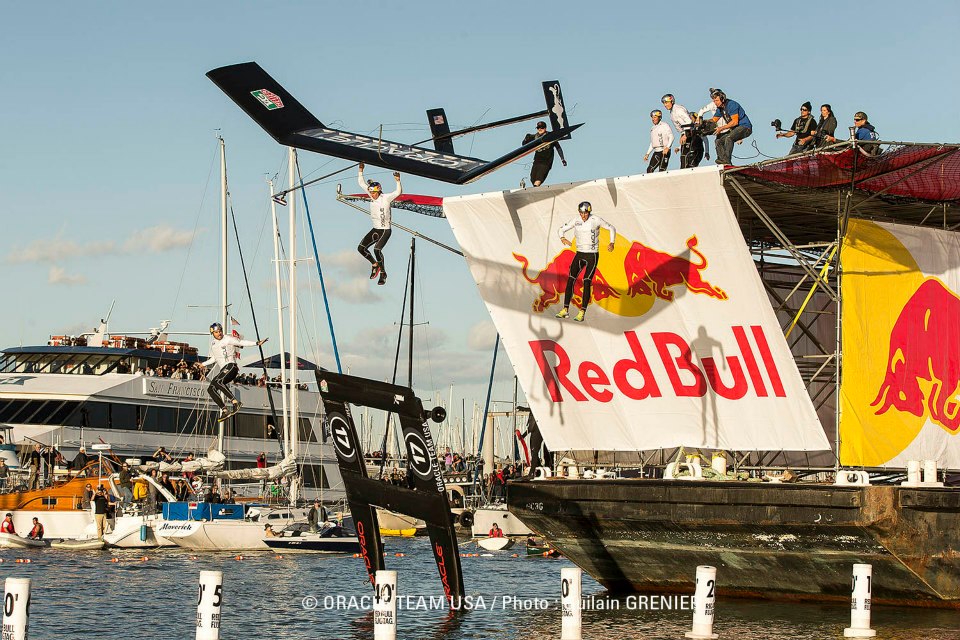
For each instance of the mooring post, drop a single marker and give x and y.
(385, 606)
(704, 600)
(570, 603)
(860, 603)
(16, 608)
(209, 601)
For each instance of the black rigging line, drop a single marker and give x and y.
(396, 360)
(256, 329)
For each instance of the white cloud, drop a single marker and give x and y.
(157, 239)
(59, 275)
(482, 336)
(356, 290)
(58, 249)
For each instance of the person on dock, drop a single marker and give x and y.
(36, 533)
(100, 506)
(586, 231)
(86, 499)
(80, 460)
(7, 525)
(223, 352)
(542, 159)
(496, 531)
(380, 215)
(313, 516)
(4, 475)
(661, 141)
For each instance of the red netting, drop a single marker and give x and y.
(425, 205)
(920, 173)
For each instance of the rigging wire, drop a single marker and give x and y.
(396, 361)
(253, 315)
(316, 256)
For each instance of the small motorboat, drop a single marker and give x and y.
(330, 539)
(13, 541)
(540, 549)
(495, 544)
(79, 544)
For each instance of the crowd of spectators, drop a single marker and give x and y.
(196, 371)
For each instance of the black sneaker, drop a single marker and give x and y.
(383, 278)
(374, 270)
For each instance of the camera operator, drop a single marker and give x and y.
(804, 129)
(736, 125)
(691, 147)
(827, 127)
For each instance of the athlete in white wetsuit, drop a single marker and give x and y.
(661, 140)
(692, 145)
(380, 216)
(586, 231)
(223, 353)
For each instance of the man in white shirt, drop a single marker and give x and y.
(586, 231)
(661, 140)
(223, 352)
(692, 144)
(380, 215)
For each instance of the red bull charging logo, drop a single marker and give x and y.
(923, 359)
(627, 280)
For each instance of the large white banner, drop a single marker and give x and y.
(679, 345)
(901, 346)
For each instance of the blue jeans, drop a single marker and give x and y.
(726, 140)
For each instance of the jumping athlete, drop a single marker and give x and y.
(661, 139)
(380, 215)
(542, 159)
(586, 231)
(223, 351)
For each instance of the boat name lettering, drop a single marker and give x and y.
(534, 506)
(561, 374)
(163, 387)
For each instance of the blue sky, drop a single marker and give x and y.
(109, 142)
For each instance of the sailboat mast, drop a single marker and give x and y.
(294, 423)
(223, 234)
(413, 270)
(223, 259)
(283, 369)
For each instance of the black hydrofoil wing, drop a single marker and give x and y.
(291, 124)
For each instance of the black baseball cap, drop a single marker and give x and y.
(541, 125)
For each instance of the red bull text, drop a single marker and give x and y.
(634, 377)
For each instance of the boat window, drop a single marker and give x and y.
(123, 416)
(7, 363)
(22, 410)
(44, 412)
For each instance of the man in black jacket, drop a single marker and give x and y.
(804, 129)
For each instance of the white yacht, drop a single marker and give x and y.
(69, 393)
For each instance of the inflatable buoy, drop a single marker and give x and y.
(278, 557)
(515, 555)
(114, 559)
(239, 558)
(465, 519)
(356, 555)
(144, 559)
(400, 555)
(193, 557)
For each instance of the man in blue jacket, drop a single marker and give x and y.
(735, 125)
(866, 132)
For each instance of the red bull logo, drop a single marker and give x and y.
(923, 359)
(637, 377)
(627, 280)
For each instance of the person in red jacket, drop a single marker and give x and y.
(7, 526)
(496, 531)
(37, 532)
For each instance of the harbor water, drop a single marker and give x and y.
(153, 594)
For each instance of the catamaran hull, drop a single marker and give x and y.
(785, 542)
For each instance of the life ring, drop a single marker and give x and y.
(465, 519)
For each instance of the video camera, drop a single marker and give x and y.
(776, 124)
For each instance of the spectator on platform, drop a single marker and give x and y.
(865, 133)
(804, 129)
(7, 526)
(826, 127)
(100, 506)
(4, 474)
(80, 460)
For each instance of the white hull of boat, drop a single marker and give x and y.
(495, 544)
(398, 521)
(219, 535)
(126, 533)
(58, 524)
(13, 541)
(484, 517)
(82, 544)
